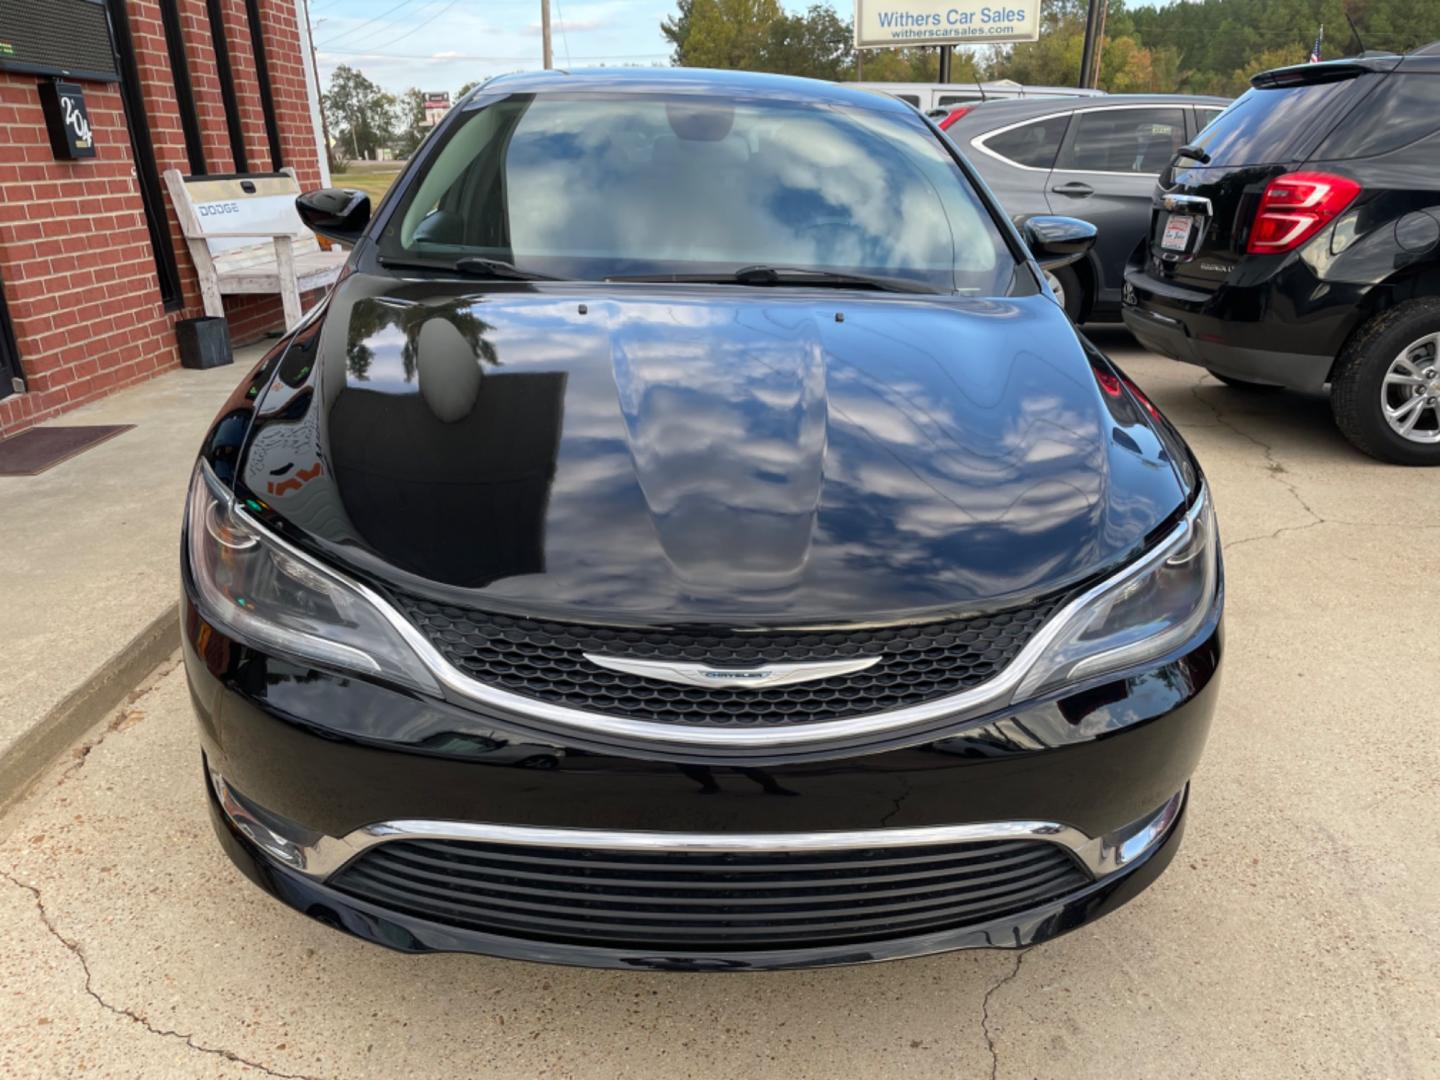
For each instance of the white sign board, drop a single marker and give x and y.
(891, 23)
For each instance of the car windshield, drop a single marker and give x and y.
(594, 186)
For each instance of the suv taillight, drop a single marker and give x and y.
(955, 114)
(1295, 207)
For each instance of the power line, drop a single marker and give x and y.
(515, 59)
(564, 38)
(370, 36)
(367, 22)
(424, 22)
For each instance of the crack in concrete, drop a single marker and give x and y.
(985, 1013)
(1276, 470)
(1278, 532)
(124, 715)
(1273, 465)
(119, 1010)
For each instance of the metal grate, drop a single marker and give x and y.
(545, 660)
(712, 900)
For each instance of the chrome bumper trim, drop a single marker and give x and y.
(318, 856)
(990, 695)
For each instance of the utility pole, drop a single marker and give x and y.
(549, 59)
(319, 88)
(1099, 44)
(945, 53)
(1087, 54)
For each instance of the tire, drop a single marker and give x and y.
(1244, 384)
(1065, 283)
(1389, 362)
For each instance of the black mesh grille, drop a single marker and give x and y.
(545, 660)
(712, 901)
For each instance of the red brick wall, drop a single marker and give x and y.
(247, 85)
(287, 59)
(75, 254)
(76, 260)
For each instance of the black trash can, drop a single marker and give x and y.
(204, 342)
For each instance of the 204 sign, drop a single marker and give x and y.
(67, 120)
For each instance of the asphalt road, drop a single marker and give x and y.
(1296, 934)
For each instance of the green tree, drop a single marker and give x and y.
(817, 44)
(361, 115)
(1189, 46)
(410, 126)
(730, 34)
(914, 65)
(676, 29)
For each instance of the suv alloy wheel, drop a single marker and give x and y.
(1386, 391)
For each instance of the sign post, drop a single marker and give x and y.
(888, 24)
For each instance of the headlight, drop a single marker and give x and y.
(276, 598)
(1140, 614)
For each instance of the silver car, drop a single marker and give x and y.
(1096, 159)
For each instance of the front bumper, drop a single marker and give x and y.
(358, 762)
(1133, 860)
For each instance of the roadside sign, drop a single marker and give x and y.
(437, 104)
(891, 23)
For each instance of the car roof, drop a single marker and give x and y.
(987, 116)
(998, 113)
(698, 81)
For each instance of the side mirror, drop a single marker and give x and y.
(1057, 241)
(338, 214)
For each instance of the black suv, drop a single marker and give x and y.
(1297, 243)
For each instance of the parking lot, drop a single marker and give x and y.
(1296, 933)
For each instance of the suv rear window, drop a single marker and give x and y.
(1270, 125)
(1034, 144)
(1403, 108)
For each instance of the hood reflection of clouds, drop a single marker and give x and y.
(720, 453)
(710, 419)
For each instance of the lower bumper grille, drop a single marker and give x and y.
(713, 901)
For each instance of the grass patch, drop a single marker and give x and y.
(374, 182)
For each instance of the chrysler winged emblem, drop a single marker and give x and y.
(730, 678)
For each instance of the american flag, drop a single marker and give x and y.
(1319, 41)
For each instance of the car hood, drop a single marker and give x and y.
(665, 454)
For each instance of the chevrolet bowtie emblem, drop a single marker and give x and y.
(756, 678)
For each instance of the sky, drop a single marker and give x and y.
(443, 44)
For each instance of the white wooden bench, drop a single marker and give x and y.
(246, 237)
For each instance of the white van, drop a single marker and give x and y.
(937, 99)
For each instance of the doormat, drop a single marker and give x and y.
(32, 452)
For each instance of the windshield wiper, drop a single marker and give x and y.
(470, 266)
(477, 266)
(765, 274)
(1193, 153)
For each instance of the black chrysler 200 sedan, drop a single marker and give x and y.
(691, 536)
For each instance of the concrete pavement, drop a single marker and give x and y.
(1297, 933)
(91, 563)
